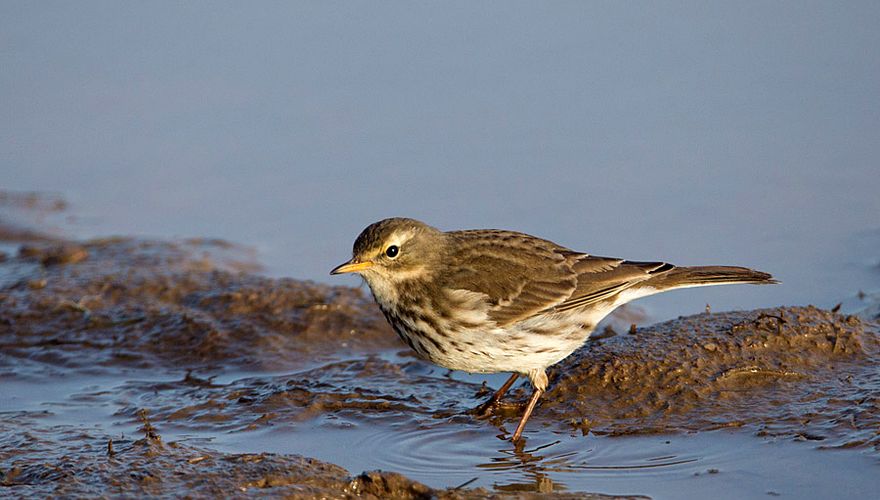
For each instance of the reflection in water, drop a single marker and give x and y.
(456, 453)
(540, 483)
(529, 464)
(552, 462)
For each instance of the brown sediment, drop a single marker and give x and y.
(133, 303)
(799, 372)
(370, 389)
(195, 308)
(70, 462)
(118, 301)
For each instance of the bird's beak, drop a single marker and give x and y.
(352, 266)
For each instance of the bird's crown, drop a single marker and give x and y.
(387, 232)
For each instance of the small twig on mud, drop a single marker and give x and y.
(148, 429)
(462, 485)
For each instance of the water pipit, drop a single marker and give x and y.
(488, 300)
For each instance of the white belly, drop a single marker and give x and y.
(533, 344)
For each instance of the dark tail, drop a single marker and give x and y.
(682, 277)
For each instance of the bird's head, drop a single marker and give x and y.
(394, 250)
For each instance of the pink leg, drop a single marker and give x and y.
(528, 413)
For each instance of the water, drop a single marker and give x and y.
(718, 464)
(699, 135)
(703, 134)
(721, 464)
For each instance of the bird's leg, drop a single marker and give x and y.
(528, 413)
(539, 380)
(485, 409)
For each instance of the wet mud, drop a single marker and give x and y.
(185, 338)
(798, 372)
(44, 461)
(141, 304)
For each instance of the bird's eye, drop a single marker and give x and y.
(392, 251)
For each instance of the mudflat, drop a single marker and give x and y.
(121, 359)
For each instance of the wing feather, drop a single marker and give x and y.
(516, 288)
(603, 278)
(552, 278)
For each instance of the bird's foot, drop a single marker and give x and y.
(486, 409)
(497, 408)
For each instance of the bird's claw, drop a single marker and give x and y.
(486, 409)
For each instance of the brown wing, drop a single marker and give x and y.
(522, 276)
(519, 274)
(602, 278)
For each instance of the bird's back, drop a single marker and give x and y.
(508, 301)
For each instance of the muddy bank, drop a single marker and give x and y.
(120, 302)
(186, 333)
(69, 461)
(812, 378)
(113, 306)
(799, 372)
(81, 462)
(126, 302)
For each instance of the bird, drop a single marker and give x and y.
(490, 300)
